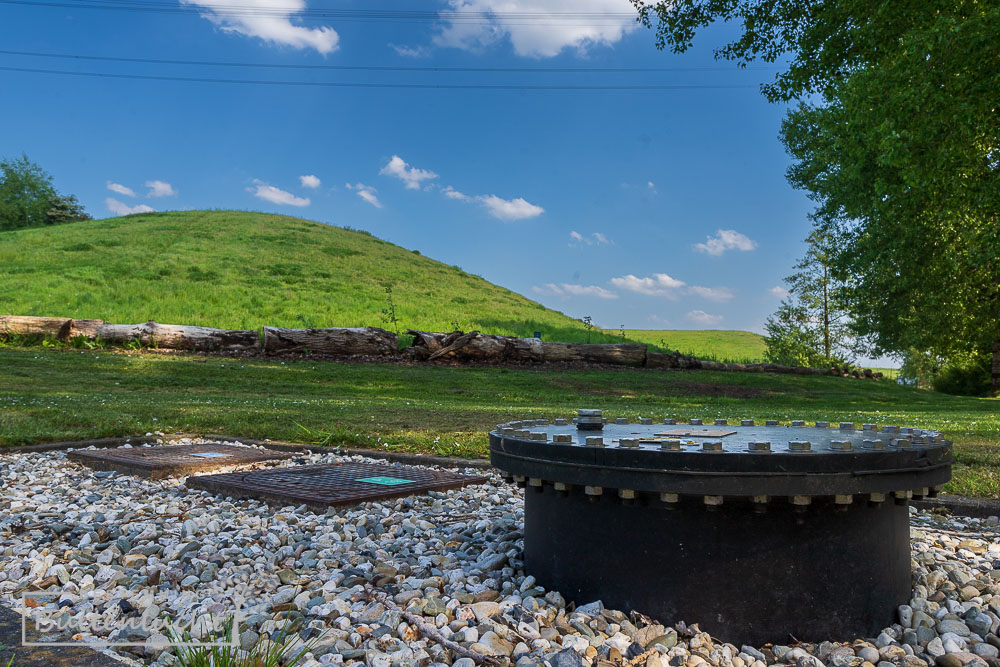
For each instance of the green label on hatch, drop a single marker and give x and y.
(385, 481)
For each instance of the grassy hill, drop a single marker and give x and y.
(234, 269)
(237, 269)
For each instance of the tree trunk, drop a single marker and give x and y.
(625, 354)
(473, 346)
(179, 337)
(368, 341)
(995, 378)
(58, 327)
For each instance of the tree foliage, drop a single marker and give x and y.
(812, 326)
(28, 198)
(896, 137)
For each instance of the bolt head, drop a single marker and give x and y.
(671, 445)
(798, 422)
(695, 422)
(712, 446)
(799, 446)
(560, 422)
(847, 426)
(595, 441)
(562, 437)
(628, 442)
(771, 422)
(759, 446)
(840, 445)
(621, 420)
(721, 422)
(873, 444)
(822, 424)
(746, 422)
(669, 422)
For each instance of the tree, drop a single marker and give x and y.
(28, 198)
(812, 326)
(897, 139)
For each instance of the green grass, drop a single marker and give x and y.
(61, 394)
(242, 270)
(737, 346)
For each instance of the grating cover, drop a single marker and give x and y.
(322, 486)
(171, 460)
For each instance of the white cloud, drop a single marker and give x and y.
(566, 290)
(410, 51)
(262, 190)
(651, 185)
(509, 209)
(712, 293)
(121, 208)
(309, 181)
(270, 20)
(660, 284)
(723, 240)
(452, 193)
(779, 292)
(366, 192)
(703, 318)
(121, 189)
(536, 37)
(398, 168)
(577, 239)
(160, 189)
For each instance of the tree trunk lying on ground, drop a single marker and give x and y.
(677, 360)
(369, 341)
(58, 327)
(178, 337)
(624, 354)
(475, 346)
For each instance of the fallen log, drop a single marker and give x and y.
(625, 354)
(473, 346)
(368, 341)
(178, 337)
(62, 328)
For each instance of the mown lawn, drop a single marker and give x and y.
(62, 394)
(717, 345)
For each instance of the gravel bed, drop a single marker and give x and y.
(115, 547)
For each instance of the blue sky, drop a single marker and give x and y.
(648, 208)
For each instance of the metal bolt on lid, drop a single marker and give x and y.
(759, 446)
(822, 424)
(873, 444)
(919, 440)
(799, 446)
(628, 442)
(507, 431)
(746, 422)
(595, 441)
(522, 434)
(669, 422)
(798, 422)
(671, 445)
(695, 422)
(645, 420)
(539, 435)
(541, 422)
(902, 443)
(621, 420)
(560, 422)
(868, 427)
(771, 422)
(585, 412)
(890, 429)
(840, 445)
(847, 426)
(721, 422)
(712, 446)
(562, 437)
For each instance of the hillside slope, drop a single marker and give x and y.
(237, 269)
(233, 269)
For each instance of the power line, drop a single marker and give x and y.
(350, 84)
(374, 68)
(236, 10)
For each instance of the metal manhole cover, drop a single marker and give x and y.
(171, 460)
(322, 486)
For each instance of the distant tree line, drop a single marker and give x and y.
(895, 135)
(28, 198)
